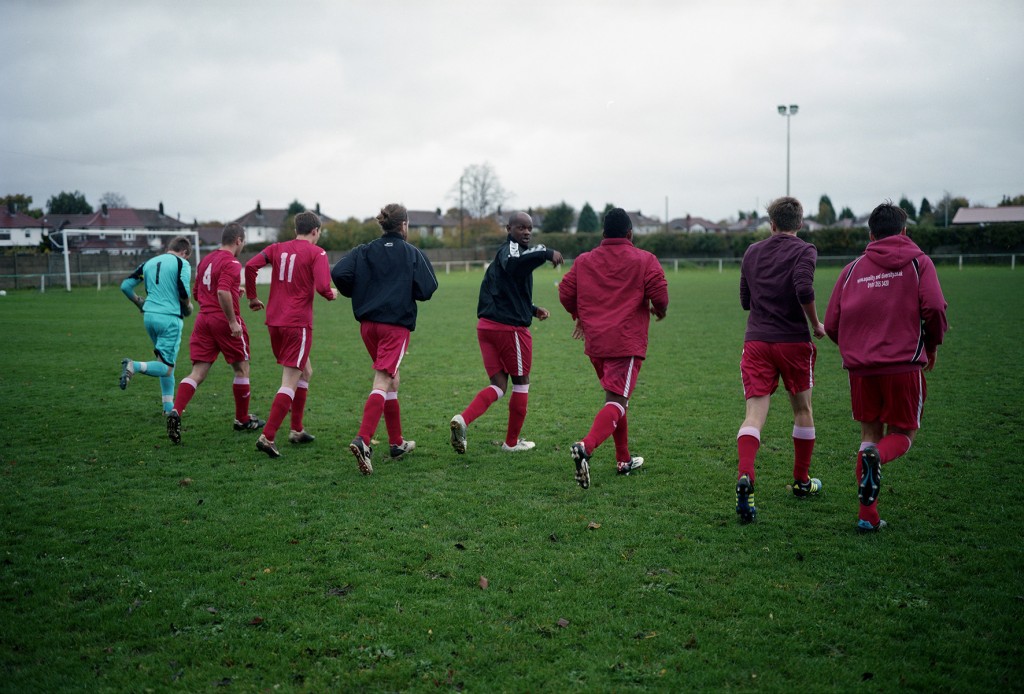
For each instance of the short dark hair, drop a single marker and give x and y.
(786, 213)
(391, 217)
(617, 223)
(180, 244)
(232, 232)
(887, 220)
(306, 223)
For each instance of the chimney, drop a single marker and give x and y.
(104, 211)
(318, 209)
(161, 208)
(259, 209)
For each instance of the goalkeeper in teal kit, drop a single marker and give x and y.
(167, 278)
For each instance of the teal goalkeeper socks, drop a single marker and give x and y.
(152, 368)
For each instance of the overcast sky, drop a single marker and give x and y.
(211, 106)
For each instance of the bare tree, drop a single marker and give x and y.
(479, 191)
(112, 200)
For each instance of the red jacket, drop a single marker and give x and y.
(611, 290)
(887, 312)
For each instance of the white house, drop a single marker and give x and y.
(19, 229)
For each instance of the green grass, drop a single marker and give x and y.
(129, 564)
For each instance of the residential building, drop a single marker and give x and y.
(264, 225)
(19, 229)
(423, 223)
(988, 215)
(695, 225)
(645, 225)
(114, 230)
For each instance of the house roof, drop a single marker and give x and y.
(18, 220)
(689, 222)
(639, 220)
(988, 215)
(266, 217)
(116, 218)
(210, 234)
(429, 218)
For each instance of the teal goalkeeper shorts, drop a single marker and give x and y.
(165, 332)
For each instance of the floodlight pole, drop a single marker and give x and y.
(793, 108)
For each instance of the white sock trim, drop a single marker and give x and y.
(498, 390)
(806, 433)
(865, 444)
(302, 384)
(287, 391)
(239, 380)
(749, 431)
(190, 382)
(391, 395)
(521, 389)
(622, 410)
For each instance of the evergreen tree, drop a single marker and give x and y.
(588, 222)
(847, 213)
(908, 207)
(608, 207)
(926, 207)
(826, 212)
(559, 218)
(295, 208)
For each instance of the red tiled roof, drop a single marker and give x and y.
(271, 218)
(117, 218)
(19, 220)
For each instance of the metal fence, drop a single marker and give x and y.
(46, 272)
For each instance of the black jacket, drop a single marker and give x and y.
(385, 278)
(506, 294)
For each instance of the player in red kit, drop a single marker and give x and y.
(219, 329)
(888, 316)
(385, 278)
(612, 292)
(777, 288)
(299, 269)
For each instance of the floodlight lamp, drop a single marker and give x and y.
(782, 110)
(793, 108)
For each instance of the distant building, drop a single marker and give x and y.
(423, 223)
(114, 230)
(19, 229)
(988, 215)
(695, 225)
(264, 225)
(645, 225)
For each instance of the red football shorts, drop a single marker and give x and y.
(291, 345)
(387, 345)
(763, 363)
(618, 374)
(212, 337)
(893, 399)
(508, 351)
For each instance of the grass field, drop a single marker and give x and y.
(130, 564)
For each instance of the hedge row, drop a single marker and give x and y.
(998, 238)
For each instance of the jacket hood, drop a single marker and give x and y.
(893, 252)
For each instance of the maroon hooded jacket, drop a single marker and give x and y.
(887, 312)
(611, 290)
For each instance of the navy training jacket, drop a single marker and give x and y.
(385, 278)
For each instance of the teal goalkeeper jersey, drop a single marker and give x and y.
(166, 288)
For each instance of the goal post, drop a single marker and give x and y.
(82, 232)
